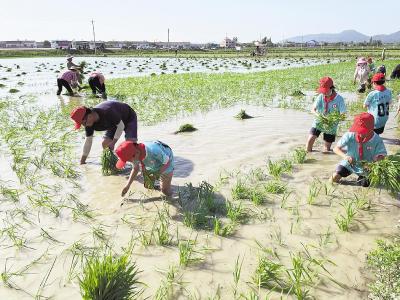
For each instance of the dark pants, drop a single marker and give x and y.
(379, 130)
(396, 73)
(95, 84)
(63, 83)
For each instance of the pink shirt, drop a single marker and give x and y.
(99, 75)
(69, 76)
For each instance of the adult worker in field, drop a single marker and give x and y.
(110, 116)
(154, 157)
(70, 63)
(327, 102)
(360, 144)
(96, 81)
(396, 73)
(361, 74)
(68, 79)
(378, 102)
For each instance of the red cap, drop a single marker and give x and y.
(363, 123)
(125, 152)
(77, 115)
(378, 77)
(325, 84)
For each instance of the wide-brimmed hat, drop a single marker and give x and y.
(363, 123)
(361, 61)
(78, 114)
(125, 152)
(69, 57)
(325, 84)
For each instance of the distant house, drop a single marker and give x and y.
(18, 44)
(173, 45)
(61, 44)
(228, 43)
(99, 45)
(116, 44)
(80, 45)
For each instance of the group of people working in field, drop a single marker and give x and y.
(361, 143)
(365, 69)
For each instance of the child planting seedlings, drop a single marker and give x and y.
(363, 145)
(156, 160)
(378, 102)
(110, 116)
(329, 107)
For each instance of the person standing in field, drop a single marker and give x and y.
(110, 116)
(361, 74)
(361, 143)
(69, 79)
(96, 81)
(378, 102)
(371, 65)
(70, 63)
(327, 102)
(383, 54)
(154, 157)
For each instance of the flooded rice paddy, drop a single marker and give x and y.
(286, 216)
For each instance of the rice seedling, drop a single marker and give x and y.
(285, 198)
(172, 279)
(257, 196)
(187, 253)
(236, 273)
(9, 194)
(161, 233)
(43, 283)
(313, 191)
(13, 91)
(275, 187)
(242, 115)
(325, 238)
(149, 179)
(257, 175)
(108, 161)
(240, 190)
(47, 236)
(343, 221)
(299, 277)
(186, 128)
(385, 173)
(109, 277)
(269, 274)
(99, 233)
(277, 168)
(299, 155)
(362, 201)
(383, 261)
(235, 212)
(223, 229)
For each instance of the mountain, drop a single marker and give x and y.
(346, 36)
(388, 38)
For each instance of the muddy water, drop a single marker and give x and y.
(222, 146)
(38, 75)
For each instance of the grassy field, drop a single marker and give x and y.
(157, 98)
(350, 52)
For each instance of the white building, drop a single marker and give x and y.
(61, 44)
(228, 43)
(18, 44)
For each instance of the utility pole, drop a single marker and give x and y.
(168, 40)
(94, 37)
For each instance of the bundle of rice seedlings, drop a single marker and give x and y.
(385, 173)
(149, 179)
(325, 123)
(108, 161)
(186, 128)
(110, 278)
(12, 91)
(242, 115)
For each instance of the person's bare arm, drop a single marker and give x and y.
(132, 177)
(343, 155)
(86, 149)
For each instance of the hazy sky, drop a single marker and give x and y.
(195, 21)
